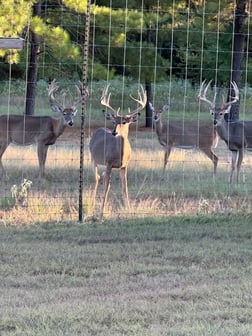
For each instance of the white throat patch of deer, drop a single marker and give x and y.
(112, 148)
(184, 135)
(43, 130)
(236, 134)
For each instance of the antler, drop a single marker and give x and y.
(79, 90)
(236, 98)
(141, 101)
(52, 88)
(203, 91)
(105, 98)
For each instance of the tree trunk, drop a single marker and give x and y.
(148, 114)
(240, 35)
(32, 67)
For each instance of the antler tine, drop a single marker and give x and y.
(79, 93)
(234, 99)
(52, 88)
(105, 98)
(236, 90)
(141, 101)
(82, 89)
(203, 92)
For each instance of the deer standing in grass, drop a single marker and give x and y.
(186, 136)
(236, 134)
(112, 148)
(43, 130)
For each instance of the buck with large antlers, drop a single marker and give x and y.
(43, 130)
(184, 135)
(112, 148)
(236, 134)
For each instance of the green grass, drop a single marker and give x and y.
(180, 275)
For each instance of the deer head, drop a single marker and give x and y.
(218, 113)
(119, 120)
(156, 113)
(58, 106)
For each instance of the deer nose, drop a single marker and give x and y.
(70, 123)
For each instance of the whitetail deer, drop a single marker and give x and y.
(236, 134)
(186, 136)
(43, 130)
(112, 148)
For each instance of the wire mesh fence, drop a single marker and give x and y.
(169, 50)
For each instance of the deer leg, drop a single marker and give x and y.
(106, 186)
(167, 152)
(123, 173)
(239, 163)
(42, 154)
(233, 164)
(2, 150)
(210, 154)
(97, 178)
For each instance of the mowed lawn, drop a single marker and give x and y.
(183, 275)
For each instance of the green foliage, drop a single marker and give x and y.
(201, 38)
(13, 19)
(79, 6)
(143, 61)
(100, 72)
(58, 45)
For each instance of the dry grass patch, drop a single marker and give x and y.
(186, 186)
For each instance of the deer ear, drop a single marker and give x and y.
(56, 109)
(165, 107)
(75, 110)
(134, 118)
(108, 115)
(226, 109)
(151, 106)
